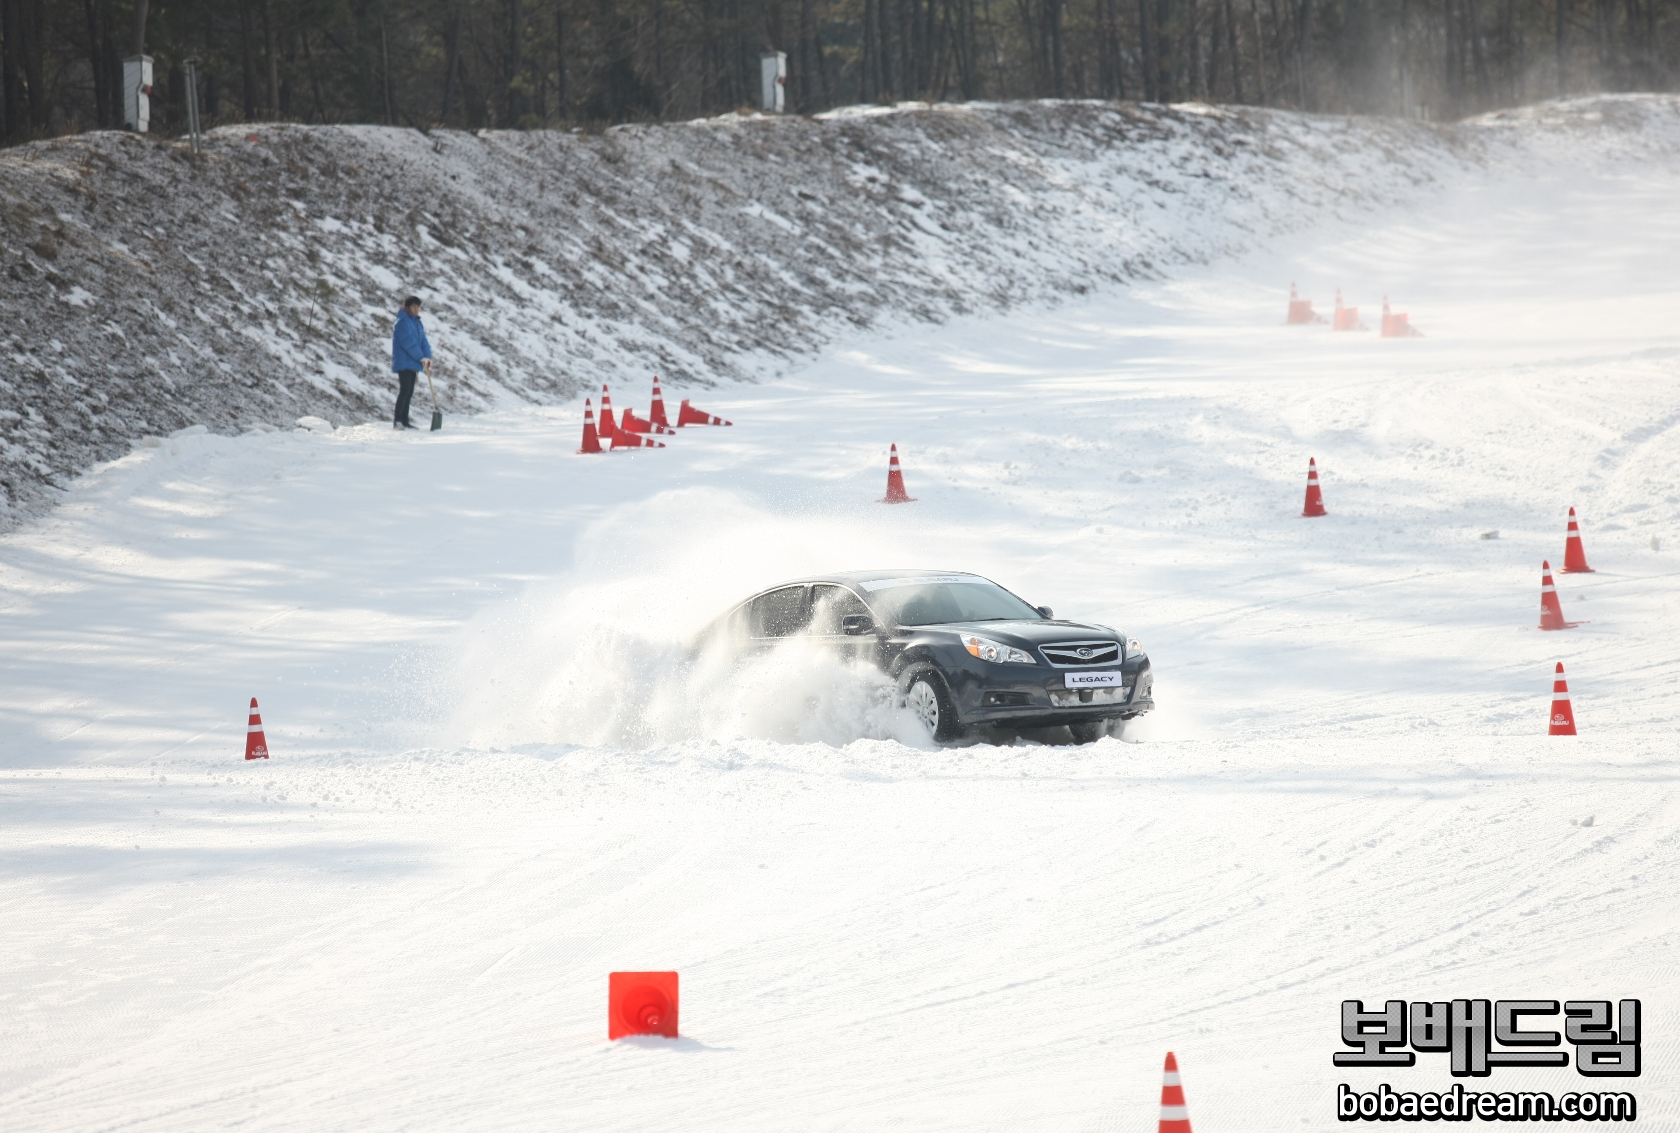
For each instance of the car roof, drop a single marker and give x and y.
(854, 577)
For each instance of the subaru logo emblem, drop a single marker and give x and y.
(1083, 652)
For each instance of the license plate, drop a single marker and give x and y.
(1094, 680)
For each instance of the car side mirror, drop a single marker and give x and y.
(854, 624)
(1046, 611)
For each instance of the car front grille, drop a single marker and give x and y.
(1077, 654)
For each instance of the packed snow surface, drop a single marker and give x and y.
(493, 782)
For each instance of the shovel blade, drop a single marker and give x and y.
(437, 420)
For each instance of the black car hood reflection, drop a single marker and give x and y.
(1025, 632)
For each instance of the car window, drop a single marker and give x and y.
(779, 613)
(938, 602)
(831, 603)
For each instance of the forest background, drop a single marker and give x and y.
(588, 63)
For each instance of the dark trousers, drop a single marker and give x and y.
(404, 395)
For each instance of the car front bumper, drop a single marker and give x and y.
(1036, 696)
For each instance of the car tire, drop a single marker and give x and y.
(1090, 732)
(922, 690)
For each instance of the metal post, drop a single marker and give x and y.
(192, 104)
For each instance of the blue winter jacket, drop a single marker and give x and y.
(408, 343)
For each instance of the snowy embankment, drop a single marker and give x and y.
(145, 290)
(491, 785)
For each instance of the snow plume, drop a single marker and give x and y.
(604, 654)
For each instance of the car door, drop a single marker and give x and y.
(830, 605)
(777, 614)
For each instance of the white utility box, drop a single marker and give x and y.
(137, 92)
(773, 68)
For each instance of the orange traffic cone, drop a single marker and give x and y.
(624, 439)
(1300, 310)
(591, 439)
(1315, 498)
(1175, 1117)
(641, 1003)
(1563, 716)
(1347, 318)
(1574, 556)
(256, 744)
(656, 412)
(628, 422)
(1551, 613)
(609, 428)
(895, 482)
(688, 415)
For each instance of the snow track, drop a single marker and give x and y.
(490, 785)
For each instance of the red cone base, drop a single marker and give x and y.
(591, 439)
(688, 415)
(895, 483)
(656, 413)
(641, 1003)
(1563, 716)
(1314, 506)
(1551, 612)
(256, 744)
(622, 439)
(1175, 1117)
(1574, 555)
(630, 423)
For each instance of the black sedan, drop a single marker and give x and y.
(966, 653)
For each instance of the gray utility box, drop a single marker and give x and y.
(773, 70)
(137, 93)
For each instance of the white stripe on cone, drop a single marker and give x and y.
(1175, 1113)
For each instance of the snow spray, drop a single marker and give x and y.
(604, 654)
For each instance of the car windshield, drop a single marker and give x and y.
(908, 602)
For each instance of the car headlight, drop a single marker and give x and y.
(1133, 647)
(995, 651)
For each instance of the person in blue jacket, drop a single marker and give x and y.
(410, 353)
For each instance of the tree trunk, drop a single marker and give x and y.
(1259, 53)
(273, 54)
(1562, 19)
(33, 25)
(101, 99)
(385, 75)
(140, 9)
(248, 66)
(11, 72)
(1304, 29)
(1058, 60)
(451, 64)
(562, 104)
(515, 98)
(1146, 50)
(320, 111)
(1478, 57)
(1236, 53)
(1166, 89)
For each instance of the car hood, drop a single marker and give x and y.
(1030, 633)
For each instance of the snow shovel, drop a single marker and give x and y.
(437, 414)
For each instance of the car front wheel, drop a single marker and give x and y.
(927, 698)
(1089, 733)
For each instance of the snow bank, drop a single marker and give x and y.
(146, 290)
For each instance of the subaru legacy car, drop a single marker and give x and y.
(966, 653)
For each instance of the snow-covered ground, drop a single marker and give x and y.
(492, 784)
